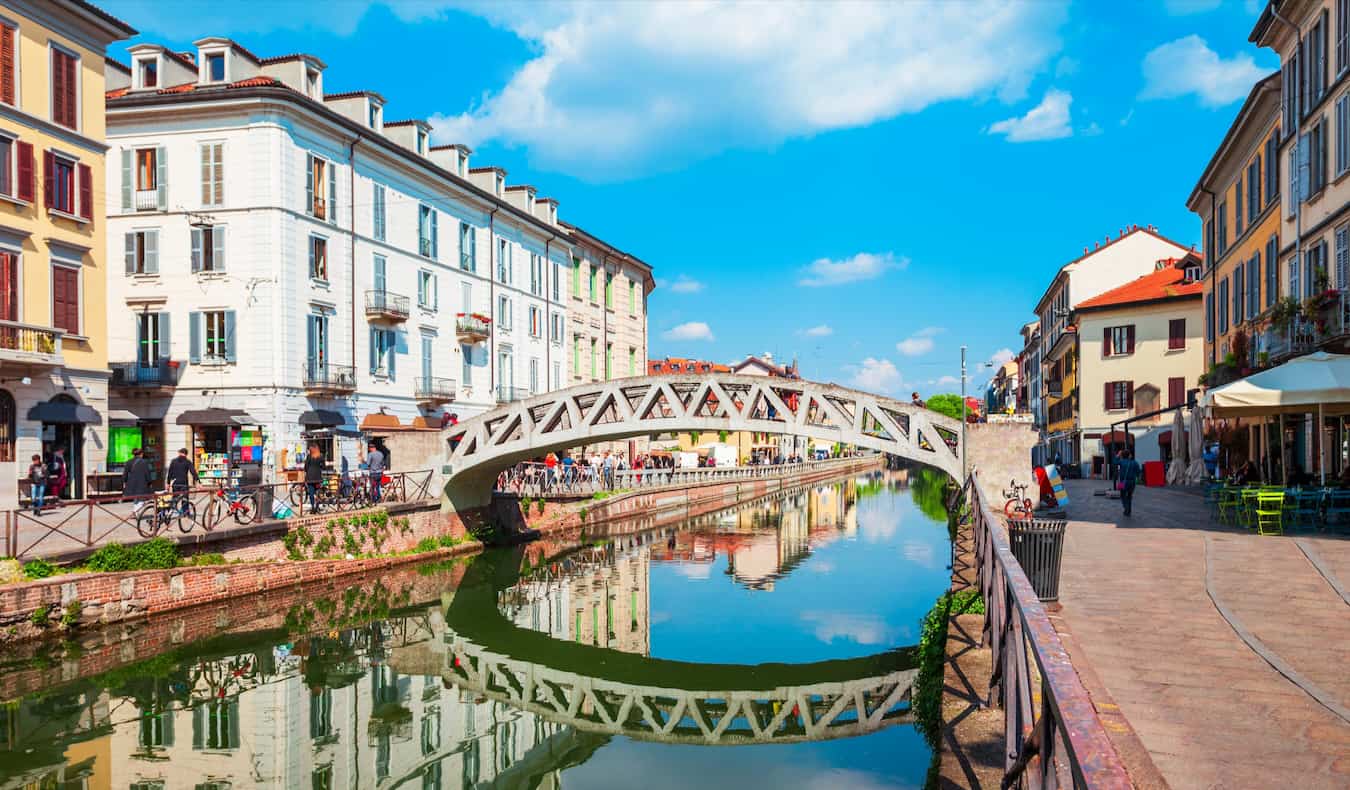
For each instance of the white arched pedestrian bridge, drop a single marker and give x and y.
(478, 449)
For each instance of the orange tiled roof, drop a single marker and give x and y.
(1166, 283)
(188, 87)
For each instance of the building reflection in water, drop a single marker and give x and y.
(368, 706)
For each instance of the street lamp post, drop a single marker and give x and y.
(965, 463)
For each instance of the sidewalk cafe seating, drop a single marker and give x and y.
(1308, 512)
(1338, 508)
(1230, 500)
(1248, 504)
(1270, 512)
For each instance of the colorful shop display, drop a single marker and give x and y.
(228, 455)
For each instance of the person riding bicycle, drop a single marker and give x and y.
(180, 471)
(314, 469)
(375, 462)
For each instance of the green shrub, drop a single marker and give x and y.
(211, 558)
(539, 506)
(40, 616)
(71, 616)
(38, 569)
(152, 554)
(581, 514)
(427, 544)
(447, 540)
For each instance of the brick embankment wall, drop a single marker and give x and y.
(109, 647)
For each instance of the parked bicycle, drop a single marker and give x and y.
(165, 509)
(1018, 504)
(241, 506)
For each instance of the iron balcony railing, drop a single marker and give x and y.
(386, 304)
(320, 208)
(432, 388)
(471, 328)
(509, 394)
(163, 373)
(327, 377)
(1299, 337)
(38, 345)
(147, 199)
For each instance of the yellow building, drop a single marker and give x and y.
(1238, 199)
(53, 269)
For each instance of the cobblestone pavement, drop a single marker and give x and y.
(1227, 652)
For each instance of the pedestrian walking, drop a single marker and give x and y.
(137, 481)
(376, 462)
(58, 474)
(37, 478)
(313, 477)
(1127, 476)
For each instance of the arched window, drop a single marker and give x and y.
(6, 426)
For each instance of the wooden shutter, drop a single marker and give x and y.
(196, 256)
(435, 247)
(332, 193)
(58, 89)
(309, 184)
(7, 64)
(161, 179)
(194, 338)
(218, 248)
(126, 179)
(130, 253)
(229, 336)
(26, 189)
(1106, 341)
(66, 299)
(85, 176)
(374, 350)
(1129, 394)
(9, 287)
(1176, 391)
(48, 178)
(165, 350)
(1106, 398)
(150, 239)
(1129, 339)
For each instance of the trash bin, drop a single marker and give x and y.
(1038, 545)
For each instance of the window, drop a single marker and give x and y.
(1272, 270)
(1293, 277)
(1313, 160)
(556, 328)
(312, 83)
(426, 232)
(1315, 269)
(9, 286)
(1119, 395)
(1254, 285)
(421, 142)
(536, 274)
(208, 249)
(504, 313)
(377, 219)
(431, 730)
(1343, 257)
(321, 714)
(66, 299)
(147, 72)
(534, 375)
(595, 362)
(8, 65)
(373, 120)
(632, 297)
(211, 337)
(468, 254)
(632, 361)
(1176, 393)
(1254, 189)
(1223, 306)
(215, 724)
(1343, 133)
(320, 188)
(318, 258)
(382, 351)
(1221, 243)
(65, 88)
(317, 341)
(576, 278)
(465, 365)
(7, 146)
(1273, 166)
(503, 261)
(428, 290)
(1176, 333)
(60, 187)
(146, 172)
(1342, 35)
(1118, 341)
(142, 252)
(1239, 293)
(594, 283)
(1209, 318)
(557, 282)
(213, 174)
(536, 322)
(143, 179)
(215, 67)
(152, 338)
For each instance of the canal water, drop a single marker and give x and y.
(771, 645)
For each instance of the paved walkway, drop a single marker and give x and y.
(1227, 653)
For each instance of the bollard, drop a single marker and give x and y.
(1038, 545)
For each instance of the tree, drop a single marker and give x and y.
(947, 403)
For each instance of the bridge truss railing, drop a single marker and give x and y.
(537, 479)
(1052, 733)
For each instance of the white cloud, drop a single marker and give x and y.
(877, 375)
(1188, 65)
(619, 89)
(863, 266)
(945, 381)
(683, 284)
(859, 629)
(1001, 356)
(692, 330)
(920, 342)
(823, 330)
(1048, 120)
(1186, 7)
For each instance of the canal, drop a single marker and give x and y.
(768, 645)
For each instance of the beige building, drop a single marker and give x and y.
(1142, 351)
(607, 311)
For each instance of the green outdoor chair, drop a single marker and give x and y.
(1338, 509)
(1247, 510)
(1270, 513)
(1308, 509)
(1230, 500)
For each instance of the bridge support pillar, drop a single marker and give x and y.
(1002, 452)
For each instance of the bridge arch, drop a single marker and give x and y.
(478, 449)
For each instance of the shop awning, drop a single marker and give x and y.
(1298, 386)
(321, 418)
(121, 415)
(1118, 437)
(377, 421)
(64, 412)
(214, 417)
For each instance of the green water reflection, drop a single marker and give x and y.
(766, 646)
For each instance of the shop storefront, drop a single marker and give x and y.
(227, 446)
(62, 422)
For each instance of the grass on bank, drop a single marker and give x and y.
(927, 700)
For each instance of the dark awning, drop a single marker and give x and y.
(321, 418)
(214, 417)
(1118, 437)
(64, 412)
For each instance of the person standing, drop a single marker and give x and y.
(313, 477)
(37, 476)
(178, 478)
(1126, 479)
(375, 461)
(137, 480)
(57, 474)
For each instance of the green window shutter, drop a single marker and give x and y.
(165, 349)
(218, 248)
(161, 178)
(194, 338)
(332, 193)
(151, 251)
(131, 253)
(126, 179)
(309, 184)
(229, 336)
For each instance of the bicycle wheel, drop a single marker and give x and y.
(296, 493)
(146, 522)
(246, 509)
(184, 514)
(1011, 508)
(211, 514)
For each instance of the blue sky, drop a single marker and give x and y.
(864, 186)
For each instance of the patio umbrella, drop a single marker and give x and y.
(1176, 471)
(1195, 473)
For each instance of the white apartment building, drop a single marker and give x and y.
(296, 267)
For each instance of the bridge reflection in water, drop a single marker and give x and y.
(531, 662)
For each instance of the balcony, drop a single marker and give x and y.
(133, 375)
(1054, 389)
(31, 345)
(433, 391)
(323, 378)
(472, 328)
(511, 394)
(1298, 338)
(147, 199)
(386, 306)
(425, 249)
(320, 208)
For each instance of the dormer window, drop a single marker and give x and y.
(462, 165)
(215, 67)
(147, 71)
(421, 141)
(501, 181)
(312, 83)
(529, 202)
(375, 116)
